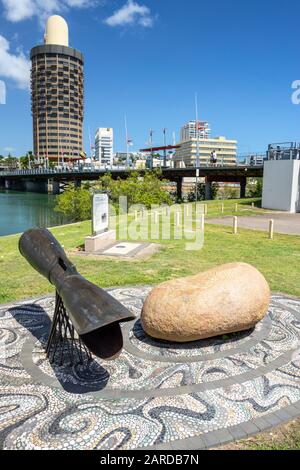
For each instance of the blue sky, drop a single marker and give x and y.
(147, 58)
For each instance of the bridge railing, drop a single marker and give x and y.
(249, 160)
(51, 171)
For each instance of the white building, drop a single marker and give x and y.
(225, 151)
(104, 145)
(281, 185)
(192, 129)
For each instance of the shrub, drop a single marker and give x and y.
(74, 203)
(146, 190)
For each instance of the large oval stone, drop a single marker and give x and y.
(229, 298)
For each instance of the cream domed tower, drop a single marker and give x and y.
(57, 31)
(57, 88)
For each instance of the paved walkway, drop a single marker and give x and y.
(284, 223)
(156, 394)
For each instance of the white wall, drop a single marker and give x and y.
(281, 185)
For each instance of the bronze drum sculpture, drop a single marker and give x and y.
(81, 306)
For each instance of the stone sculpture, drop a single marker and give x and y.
(229, 298)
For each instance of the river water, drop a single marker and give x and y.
(20, 211)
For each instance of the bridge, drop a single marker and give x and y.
(51, 180)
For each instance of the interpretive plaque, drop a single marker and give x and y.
(100, 213)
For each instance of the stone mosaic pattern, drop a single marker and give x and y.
(156, 393)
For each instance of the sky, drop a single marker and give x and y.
(148, 58)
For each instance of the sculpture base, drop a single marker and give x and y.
(64, 345)
(99, 242)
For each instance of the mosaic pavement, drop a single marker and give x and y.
(156, 394)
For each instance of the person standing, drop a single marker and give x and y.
(214, 158)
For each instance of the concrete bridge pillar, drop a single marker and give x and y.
(54, 187)
(243, 184)
(36, 186)
(208, 190)
(179, 188)
(15, 185)
(7, 184)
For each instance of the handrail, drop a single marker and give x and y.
(258, 162)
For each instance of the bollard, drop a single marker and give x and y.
(235, 225)
(252, 205)
(177, 219)
(236, 208)
(271, 229)
(222, 208)
(202, 222)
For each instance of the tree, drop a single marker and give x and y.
(24, 162)
(11, 162)
(255, 187)
(27, 161)
(229, 192)
(147, 190)
(74, 203)
(201, 192)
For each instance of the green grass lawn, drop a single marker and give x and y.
(278, 259)
(244, 207)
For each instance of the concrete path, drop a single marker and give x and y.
(283, 223)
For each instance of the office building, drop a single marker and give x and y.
(104, 145)
(57, 91)
(192, 129)
(225, 151)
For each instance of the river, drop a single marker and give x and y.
(20, 211)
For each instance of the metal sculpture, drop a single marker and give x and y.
(81, 307)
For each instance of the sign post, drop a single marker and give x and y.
(100, 216)
(101, 235)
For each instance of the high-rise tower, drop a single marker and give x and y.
(104, 145)
(57, 94)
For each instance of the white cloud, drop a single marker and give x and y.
(14, 66)
(18, 10)
(79, 3)
(2, 92)
(131, 13)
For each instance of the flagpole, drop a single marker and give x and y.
(197, 143)
(91, 150)
(165, 145)
(151, 144)
(127, 143)
(197, 130)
